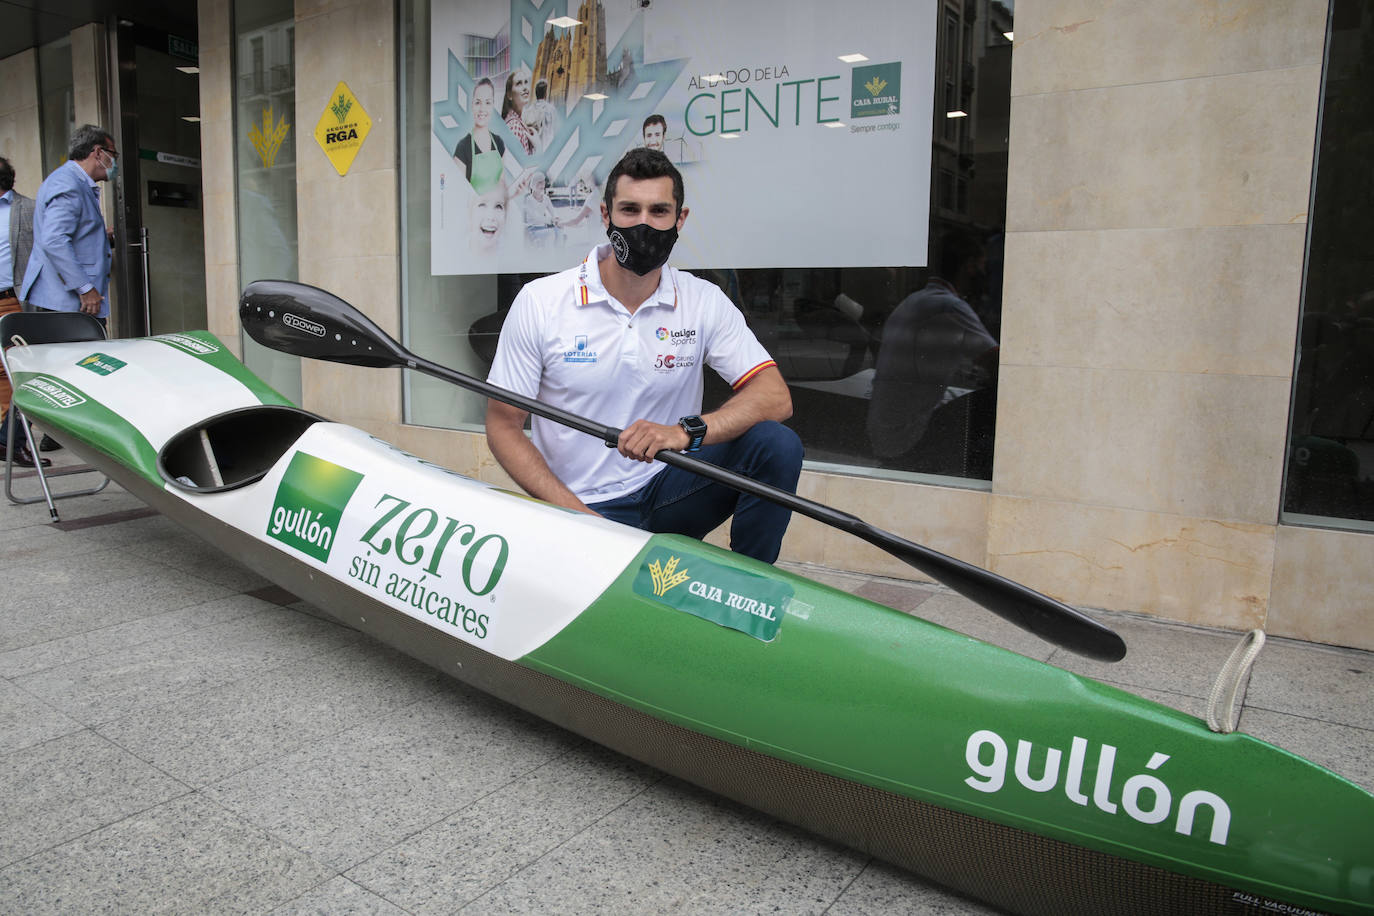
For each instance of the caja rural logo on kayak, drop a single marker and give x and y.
(724, 595)
(310, 504)
(1144, 797)
(101, 364)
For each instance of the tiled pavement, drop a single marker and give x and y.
(179, 736)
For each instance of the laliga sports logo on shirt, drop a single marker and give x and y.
(310, 503)
(681, 337)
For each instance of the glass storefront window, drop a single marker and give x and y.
(1330, 473)
(890, 374)
(57, 98)
(265, 161)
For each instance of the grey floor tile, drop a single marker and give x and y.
(26, 720)
(504, 832)
(69, 594)
(835, 578)
(1320, 682)
(207, 736)
(1159, 656)
(347, 798)
(677, 849)
(66, 787)
(338, 897)
(883, 889)
(185, 856)
(957, 613)
(31, 543)
(122, 637)
(904, 596)
(109, 687)
(182, 550)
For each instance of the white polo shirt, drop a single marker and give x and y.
(569, 344)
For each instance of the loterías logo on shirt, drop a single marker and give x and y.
(581, 352)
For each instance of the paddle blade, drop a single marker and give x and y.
(307, 321)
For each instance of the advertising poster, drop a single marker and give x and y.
(802, 129)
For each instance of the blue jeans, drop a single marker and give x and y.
(681, 502)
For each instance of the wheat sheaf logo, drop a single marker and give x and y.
(267, 139)
(666, 576)
(341, 107)
(875, 85)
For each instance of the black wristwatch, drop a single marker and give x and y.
(695, 427)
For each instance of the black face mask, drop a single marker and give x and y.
(641, 248)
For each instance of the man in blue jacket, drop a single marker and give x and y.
(69, 269)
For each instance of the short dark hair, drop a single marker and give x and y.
(654, 119)
(6, 176)
(541, 89)
(641, 163)
(84, 141)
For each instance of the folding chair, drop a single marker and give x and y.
(43, 328)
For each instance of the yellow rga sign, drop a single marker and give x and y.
(342, 128)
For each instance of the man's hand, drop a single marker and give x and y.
(642, 439)
(90, 301)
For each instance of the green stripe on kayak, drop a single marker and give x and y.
(65, 406)
(207, 348)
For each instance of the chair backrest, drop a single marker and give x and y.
(49, 327)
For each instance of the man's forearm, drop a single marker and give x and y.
(521, 460)
(764, 397)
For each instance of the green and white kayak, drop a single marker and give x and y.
(1008, 779)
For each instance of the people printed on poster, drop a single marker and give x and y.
(481, 145)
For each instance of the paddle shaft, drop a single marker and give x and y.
(1050, 619)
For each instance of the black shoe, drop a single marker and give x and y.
(23, 458)
(49, 444)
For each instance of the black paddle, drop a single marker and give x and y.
(307, 321)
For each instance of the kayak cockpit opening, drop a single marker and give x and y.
(233, 449)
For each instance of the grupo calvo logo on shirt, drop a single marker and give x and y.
(581, 351)
(667, 362)
(712, 591)
(310, 503)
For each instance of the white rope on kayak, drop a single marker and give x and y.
(1227, 690)
(17, 341)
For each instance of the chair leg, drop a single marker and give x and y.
(17, 416)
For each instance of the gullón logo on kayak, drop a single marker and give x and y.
(101, 364)
(302, 324)
(413, 535)
(1145, 797)
(188, 343)
(310, 502)
(53, 391)
(722, 594)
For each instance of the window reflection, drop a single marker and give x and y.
(1331, 442)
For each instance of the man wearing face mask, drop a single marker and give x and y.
(623, 339)
(69, 269)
